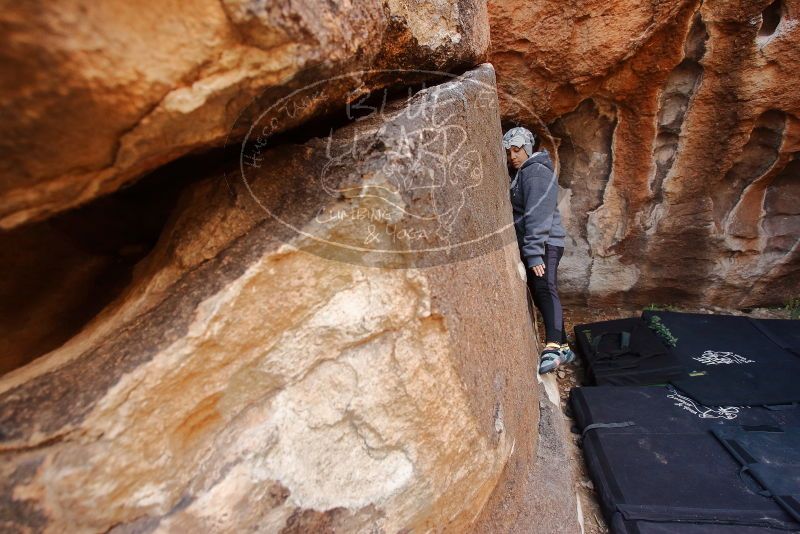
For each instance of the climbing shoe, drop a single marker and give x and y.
(567, 356)
(550, 358)
(553, 356)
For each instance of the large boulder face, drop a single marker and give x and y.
(250, 378)
(95, 94)
(678, 138)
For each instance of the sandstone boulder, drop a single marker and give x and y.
(96, 94)
(261, 373)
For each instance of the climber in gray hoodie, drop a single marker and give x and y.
(540, 236)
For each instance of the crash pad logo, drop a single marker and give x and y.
(703, 412)
(713, 357)
(411, 177)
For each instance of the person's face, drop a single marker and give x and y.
(517, 156)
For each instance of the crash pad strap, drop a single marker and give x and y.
(746, 470)
(624, 340)
(606, 425)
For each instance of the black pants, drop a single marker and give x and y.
(545, 295)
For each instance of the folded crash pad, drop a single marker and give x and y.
(625, 352)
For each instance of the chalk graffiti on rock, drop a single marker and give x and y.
(414, 174)
(402, 182)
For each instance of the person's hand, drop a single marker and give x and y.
(538, 270)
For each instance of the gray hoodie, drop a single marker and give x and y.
(534, 201)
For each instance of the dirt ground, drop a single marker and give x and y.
(572, 375)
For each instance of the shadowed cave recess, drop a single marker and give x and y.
(60, 273)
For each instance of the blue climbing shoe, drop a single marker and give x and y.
(567, 356)
(550, 358)
(554, 356)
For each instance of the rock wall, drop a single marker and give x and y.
(677, 127)
(261, 372)
(95, 95)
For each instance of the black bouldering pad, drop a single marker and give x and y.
(665, 408)
(620, 526)
(783, 482)
(675, 477)
(658, 467)
(771, 455)
(730, 362)
(625, 352)
(783, 332)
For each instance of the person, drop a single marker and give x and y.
(540, 236)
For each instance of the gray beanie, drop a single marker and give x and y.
(520, 137)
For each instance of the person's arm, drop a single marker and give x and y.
(540, 195)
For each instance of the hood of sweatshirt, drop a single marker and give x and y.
(542, 157)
